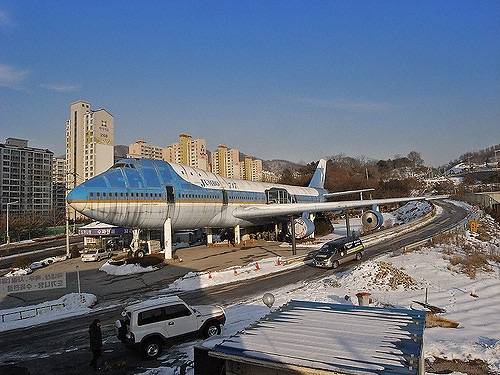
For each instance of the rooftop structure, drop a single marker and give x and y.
(322, 338)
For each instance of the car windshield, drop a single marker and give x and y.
(327, 249)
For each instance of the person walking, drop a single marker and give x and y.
(95, 342)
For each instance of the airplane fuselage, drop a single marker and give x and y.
(143, 193)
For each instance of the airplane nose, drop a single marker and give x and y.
(77, 198)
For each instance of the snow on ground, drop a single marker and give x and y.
(35, 265)
(125, 269)
(18, 272)
(397, 280)
(199, 280)
(68, 305)
(411, 211)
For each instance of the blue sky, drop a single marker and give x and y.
(294, 80)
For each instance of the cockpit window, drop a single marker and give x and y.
(123, 165)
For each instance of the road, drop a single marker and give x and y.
(58, 346)
(36, 250)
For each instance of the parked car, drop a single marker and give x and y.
(95, 255)
(148, 325)
(42, 263)
(334, 253)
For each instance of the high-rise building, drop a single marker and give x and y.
(252, 169)
(59, 185)
(89, 142)
(184, 149)
(141, 149)
(219, 160)
(257, 170)
(25, 178)
(233, 164)
(226, 162)
(198, 154)
(187, 151)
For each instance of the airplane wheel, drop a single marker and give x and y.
(140, 254)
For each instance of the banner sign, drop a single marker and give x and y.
(31, 283)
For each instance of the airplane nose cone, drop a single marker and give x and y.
(77, 198)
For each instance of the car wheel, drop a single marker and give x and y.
(335, 264)
(359, 256)
(152, 348)
(211, 329)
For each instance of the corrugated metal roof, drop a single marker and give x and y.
(333, 337)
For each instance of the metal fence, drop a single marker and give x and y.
(30, 313)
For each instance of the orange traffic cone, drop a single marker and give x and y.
(209, 275)
(257, 266)
(235, 272)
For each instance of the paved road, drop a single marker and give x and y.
(60, 347)
(36, 250)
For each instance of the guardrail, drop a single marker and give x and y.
(36, 310)
(401, 229)
(374, 237)
(461, 226)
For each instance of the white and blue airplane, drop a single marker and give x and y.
(144, 193)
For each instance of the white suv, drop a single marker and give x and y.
(147, 325)
(95, 255)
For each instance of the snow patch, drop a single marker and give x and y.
(125, 269)
(200, 280)
(68, 305)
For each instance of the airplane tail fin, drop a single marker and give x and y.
(318, 178)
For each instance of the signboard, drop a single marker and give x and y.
(104, 231)
(473, 224)
(31, 283)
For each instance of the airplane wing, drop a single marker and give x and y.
(339, 193)
(285, 209)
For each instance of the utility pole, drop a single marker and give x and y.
(7, 234)
(292, 229)
(366, 171)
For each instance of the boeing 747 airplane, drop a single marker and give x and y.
(143, 193)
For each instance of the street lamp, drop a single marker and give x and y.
(8, 204)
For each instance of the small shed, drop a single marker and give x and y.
(305, 337)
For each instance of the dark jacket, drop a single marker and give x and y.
(95, 336)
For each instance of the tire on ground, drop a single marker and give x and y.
(152, 348)
(335, 264)
(359, 255)
(211, 328)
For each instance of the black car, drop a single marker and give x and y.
(334, 253)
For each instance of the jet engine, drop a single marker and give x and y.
(303, 227)
(372, 220)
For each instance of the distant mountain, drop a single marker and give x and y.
(278, 166)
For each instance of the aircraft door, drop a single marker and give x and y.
(224, 197)
(170, 194)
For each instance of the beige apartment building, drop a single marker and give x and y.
(143, 150)
(187, 151)
(89, 142)
(226, 162)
